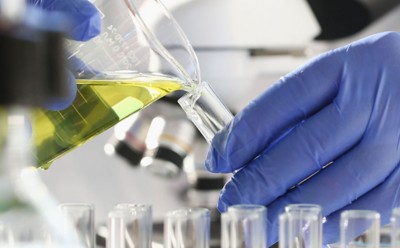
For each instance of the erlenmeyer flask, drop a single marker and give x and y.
(140, 56)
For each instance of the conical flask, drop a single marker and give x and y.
(140, 56)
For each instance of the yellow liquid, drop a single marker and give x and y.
(99, 105)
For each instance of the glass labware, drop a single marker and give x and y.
(395, 228)
(187, 228)
(130, 225)
(81, 216)
(140, 56)
(300, 226)
(28, 212)
(244, 226)
(359, 228)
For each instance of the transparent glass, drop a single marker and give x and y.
(205, 110)
(130, 225)
(140, 56)
(28, 212)
(146, 224)
(244, 226)
(300, 226)
(187, 228)
(395, 228)
(359, 228)
(81, 215)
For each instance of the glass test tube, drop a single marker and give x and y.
(6, 236)
(359, 228)
(81, 215)
(395, 228)
(130, 225)
(244, 226)
(205, 110)
(187, 228)
(300, 226)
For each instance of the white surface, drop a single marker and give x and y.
(251, 23)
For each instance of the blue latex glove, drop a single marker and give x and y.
(83, 17)
(343, 106)
(85, 23)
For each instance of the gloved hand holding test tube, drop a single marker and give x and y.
(333, 121)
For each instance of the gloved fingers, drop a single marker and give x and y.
(84, 17)
(60, 103)
(309, 146)
(302, 93)
(383, 199)
(341, 183)
(291, 100)
(355, 171)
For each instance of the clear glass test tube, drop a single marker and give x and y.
(359, 228)
(312, 228)
(395, 228)
(187, 228)
(81, 215)
(205, 110)
(300, 226)
(244, 226)
(6, 236)
(130, 225)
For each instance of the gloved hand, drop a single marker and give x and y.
(83, 17)
(341, 109)
(85, 23)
